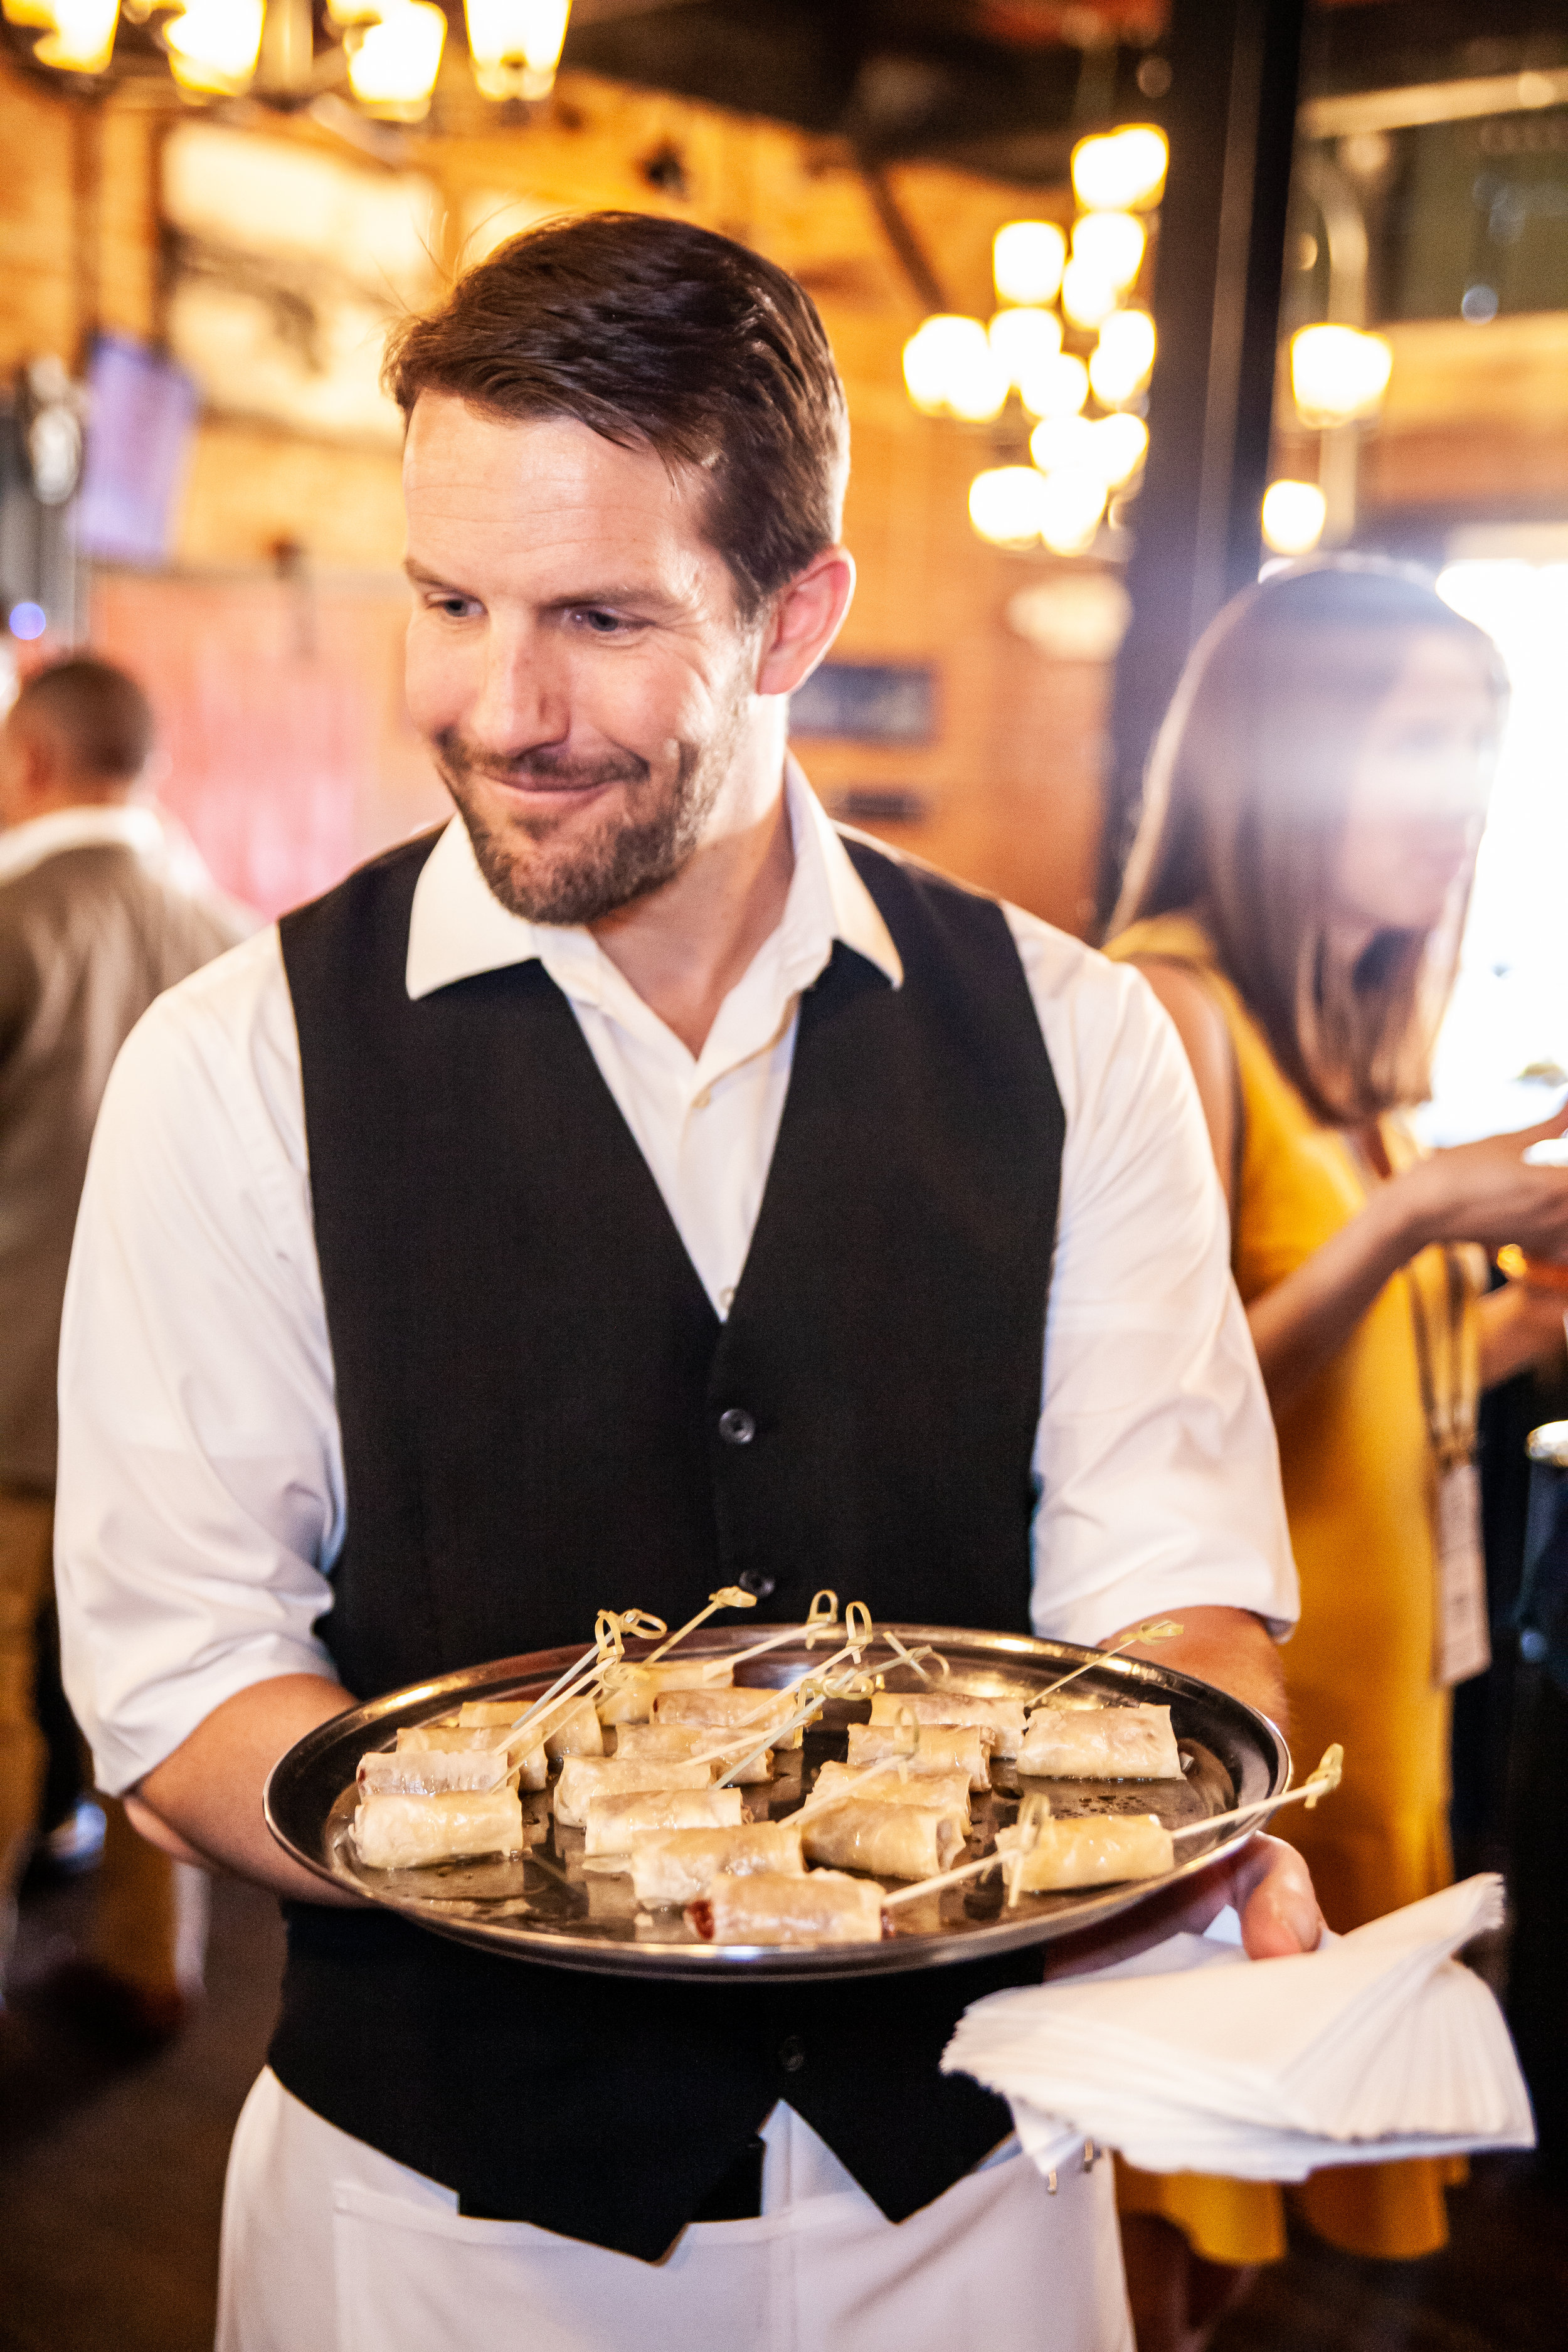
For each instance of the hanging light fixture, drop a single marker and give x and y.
(1119, 367)
(1058, 388)
(1111, 245)
(1294, 514)
(1027, 259)
(515, 44)
(948, 365)
(1072, 502)
(81, 39)
(1023, 340)
(1006, 505)
(1122, 171)
(1338, 374)
(393, 65)
(213, 45)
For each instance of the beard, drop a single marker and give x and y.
(536, 874)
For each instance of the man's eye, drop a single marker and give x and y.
(602, 625)
(454, 608)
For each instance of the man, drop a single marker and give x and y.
(97, 915)
(638, 1188)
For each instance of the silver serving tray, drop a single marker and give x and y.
(541, 1907)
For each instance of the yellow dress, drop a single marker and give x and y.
(1360, 1492)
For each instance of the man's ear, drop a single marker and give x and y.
(806, 617)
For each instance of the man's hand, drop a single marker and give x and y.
(203, 1803)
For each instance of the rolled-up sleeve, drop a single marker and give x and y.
(200, 1491)
(1158, 1470)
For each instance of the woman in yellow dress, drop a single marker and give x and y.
(1294, 896)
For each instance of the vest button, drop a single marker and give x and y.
(736, 1426)
(755, 1582)
(791, 2054)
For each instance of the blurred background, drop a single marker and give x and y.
(1130, 297)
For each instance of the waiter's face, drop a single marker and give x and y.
(576, 657)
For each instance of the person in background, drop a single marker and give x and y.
(100, 912)
(1295, 897)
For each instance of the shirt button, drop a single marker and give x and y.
(755, 1582)
(736, 1426)
(727, 1298)
(791, 2054)
(701, 1101)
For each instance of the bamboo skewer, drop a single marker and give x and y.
(1157, 1628)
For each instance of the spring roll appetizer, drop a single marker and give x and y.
(887, 1840)
(943, 1792)
(775, 1907)
(633, 1689)
(531, 1769)
(1110, 1743)
(681, 1865)
(572, 1729)
(677, 1743)
(408, 1832)
(433, 1771)
(584, 1777)
(614, 1825)
(1002, 1717)
(1093, 1850)
(731, 1710)
(941, 1748)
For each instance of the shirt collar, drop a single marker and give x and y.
(458, 927)
(96, 825)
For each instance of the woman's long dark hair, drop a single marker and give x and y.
(1243, 812)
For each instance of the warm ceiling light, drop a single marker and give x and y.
(515, 44)
(1057, 389)
(1058, 441)
(1123, 357)
(1337, 374)
(1293, 517)
(948, 363)
(1120, 171)
(213, 45)
(392, 66)
(82, 40)
(1026, 258)
(1086, 295)
(31, 15)
(1111, 245)
(1120, 446)
(1071, 504)
(1005, 505)
(1023, 341)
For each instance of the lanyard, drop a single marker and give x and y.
(1450, 1403)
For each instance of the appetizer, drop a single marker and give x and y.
(1002, 1717)
(681, 1865)
(887, 1840)
(1093, 1850)
(407, 1832)
(941, 1748)
(1108, 1743)
(731, 1710)
(677, 1743)
(630, 1695)
(531, 1768)
(432, 1772)
(943, 1793)
(571, 1729)
(613, 1824)
(773, 1906)
(582, 1776)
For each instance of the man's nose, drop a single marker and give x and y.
(525, 702)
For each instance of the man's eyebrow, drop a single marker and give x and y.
(422, 578)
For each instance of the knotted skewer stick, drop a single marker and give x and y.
(818, 1620)
(1158, 1629)
(729, 1597)
(1322, 1783)
(610, 1629)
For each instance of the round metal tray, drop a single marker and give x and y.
(542, 1907)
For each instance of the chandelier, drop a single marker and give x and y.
(387, 51)
(1066, 337)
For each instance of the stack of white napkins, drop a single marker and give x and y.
(1193, 2058)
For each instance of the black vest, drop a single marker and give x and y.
(540, 1410)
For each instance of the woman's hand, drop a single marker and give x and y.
(1484, 1192)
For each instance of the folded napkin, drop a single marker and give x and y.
(1193, 2058)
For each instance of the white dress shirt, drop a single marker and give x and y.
(201, 1488)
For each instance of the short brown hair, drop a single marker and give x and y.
(1244, 810)
(656, 333)
(98, 713)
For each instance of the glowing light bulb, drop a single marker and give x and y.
(515, 44)
(393, 65)
(1123, 358)
(948, 363)
(1026, 258)
(1121, 170)
(1087, 297)
(1059, 388)
(1338, 374)
(82, 40)
(213, 45)
(1058, 441)
(1293, 517)
(1071, 504)
(1111, 246)
(1005, 505)
(1120, 446)
(1023, 341)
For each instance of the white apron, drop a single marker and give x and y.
(328, 2246)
